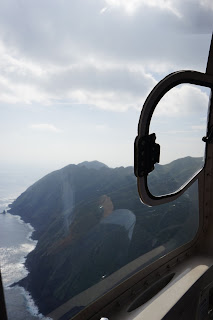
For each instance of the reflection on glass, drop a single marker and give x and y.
(179, 127)
(93, 232)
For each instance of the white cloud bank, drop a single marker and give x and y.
(130, 7)
(101, 53)
(183, 101)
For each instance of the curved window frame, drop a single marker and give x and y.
(169, 82)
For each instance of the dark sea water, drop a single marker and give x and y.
(15, 244)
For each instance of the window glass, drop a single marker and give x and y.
(74, 75)
(179, 127)
(93, 232)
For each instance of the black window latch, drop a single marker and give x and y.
(209, 137)
(147, 153)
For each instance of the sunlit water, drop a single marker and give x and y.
(15, 244)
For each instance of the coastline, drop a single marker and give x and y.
(15, 270)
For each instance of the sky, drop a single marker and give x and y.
(75, 74)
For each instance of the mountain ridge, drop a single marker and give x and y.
(69, 209)
(92, 164)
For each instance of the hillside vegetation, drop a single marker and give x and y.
(89, 222)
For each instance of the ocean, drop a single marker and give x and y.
(15, 244)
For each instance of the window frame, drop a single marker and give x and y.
(169, 82)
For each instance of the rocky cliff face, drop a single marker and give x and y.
(90, 222)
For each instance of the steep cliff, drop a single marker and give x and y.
(89, 222)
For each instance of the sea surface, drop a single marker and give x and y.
(15, 244)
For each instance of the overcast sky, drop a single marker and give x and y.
(75, 74)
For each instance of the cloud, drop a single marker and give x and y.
(106, 87)
(208, 4)
(103, 53)
(130, 7)
(44, 127)
(103, 10)
(183, 100)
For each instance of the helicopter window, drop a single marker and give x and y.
(104, 238)
(94, 232)
(74, 75)
(179, 132)
(123, 237)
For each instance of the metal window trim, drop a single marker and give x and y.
(169, 82)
